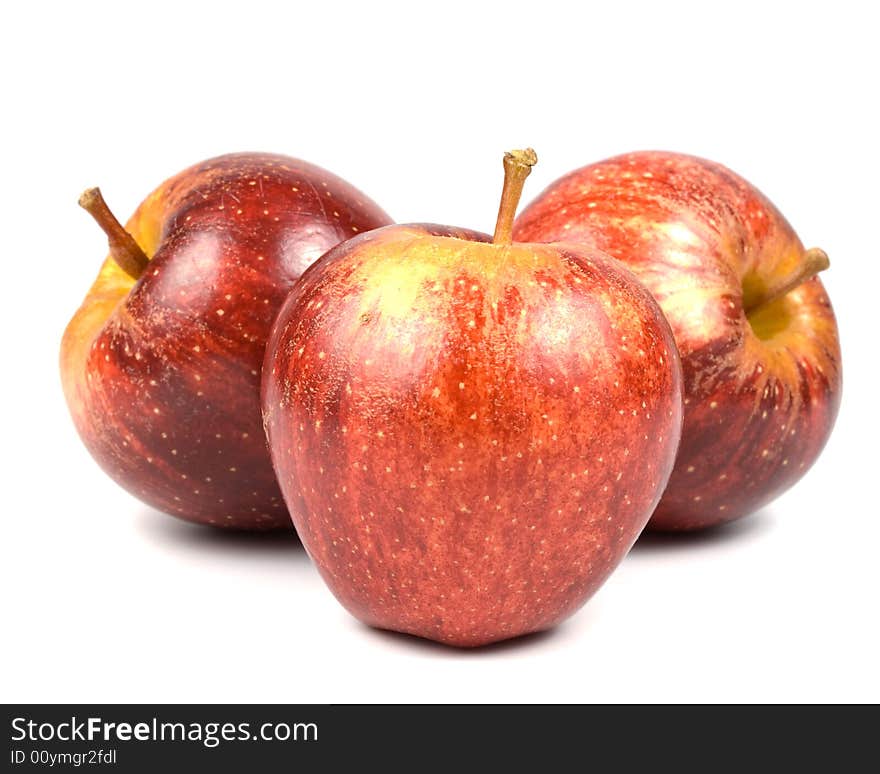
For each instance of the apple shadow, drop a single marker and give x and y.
(161, 528)
(523, 642)
(743, 529)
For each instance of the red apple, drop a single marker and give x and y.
(161, 364)
(754, 327)
(469, 433)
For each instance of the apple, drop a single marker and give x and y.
(754, 326)
(161, 364)
(469, 433)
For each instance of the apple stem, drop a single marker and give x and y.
(814, 261)
(123, 248)
(517, 166)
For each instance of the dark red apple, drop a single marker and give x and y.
(754, 327)
(469, 433)
(161, 364)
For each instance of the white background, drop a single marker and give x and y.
(107, 600)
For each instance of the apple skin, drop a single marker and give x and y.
(161, 374)
(761, 397)
(469, 437)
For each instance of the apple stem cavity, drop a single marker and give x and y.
(124, 250)
(517, 166)
(814, 261)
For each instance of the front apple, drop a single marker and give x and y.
(470, 435)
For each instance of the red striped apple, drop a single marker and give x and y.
(161, 364)
(755, 329)
(470, 433)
